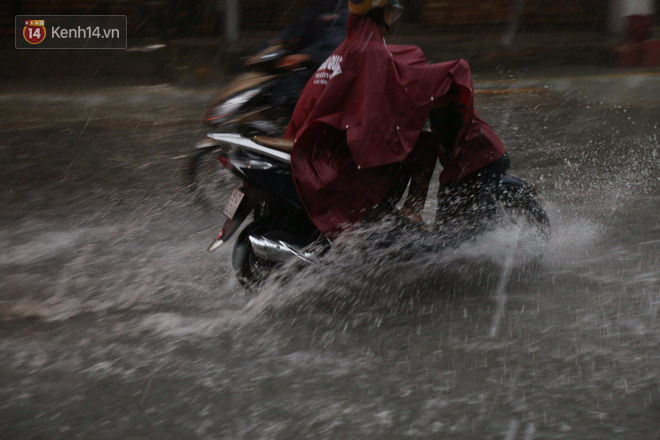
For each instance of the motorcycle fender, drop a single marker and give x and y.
(233, 224)
(242, 83)
(206, 143)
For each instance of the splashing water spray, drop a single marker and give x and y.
(500, 290)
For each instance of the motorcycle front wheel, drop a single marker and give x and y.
(521, 202)
(207, 179)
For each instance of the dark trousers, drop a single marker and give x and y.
(465, 203)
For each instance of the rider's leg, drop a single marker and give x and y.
(418, 169)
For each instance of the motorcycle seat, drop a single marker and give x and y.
(278, 143)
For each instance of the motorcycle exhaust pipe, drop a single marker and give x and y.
(278, 251)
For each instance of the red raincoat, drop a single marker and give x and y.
(361, 114)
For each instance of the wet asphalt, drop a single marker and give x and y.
(116, 323)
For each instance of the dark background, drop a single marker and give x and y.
(186, 18)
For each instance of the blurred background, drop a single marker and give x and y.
(205, 38)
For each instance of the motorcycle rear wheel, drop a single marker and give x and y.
(250, 270)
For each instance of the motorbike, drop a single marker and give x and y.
(281, 230)
(259, 101)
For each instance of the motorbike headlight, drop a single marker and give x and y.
(223, 111)
(271, 57)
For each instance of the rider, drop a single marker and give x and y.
(317, 31)
(358, 128)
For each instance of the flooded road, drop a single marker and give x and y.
(116, 323)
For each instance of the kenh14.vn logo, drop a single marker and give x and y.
(70, 31)
(34, 31)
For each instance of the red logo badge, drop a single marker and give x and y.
(34, 31)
